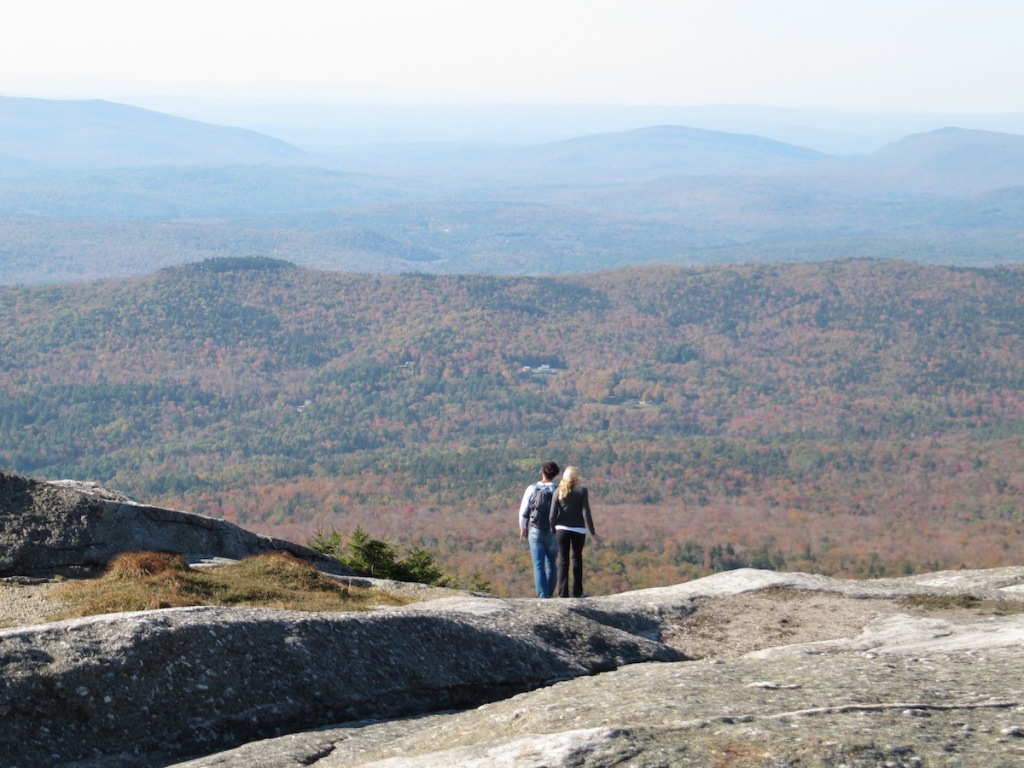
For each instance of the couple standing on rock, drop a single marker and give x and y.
(556, 518)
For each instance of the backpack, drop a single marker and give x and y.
(540, 506)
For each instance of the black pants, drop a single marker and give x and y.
(570, 540)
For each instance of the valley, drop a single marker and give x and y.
(856, 417)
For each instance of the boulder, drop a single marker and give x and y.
(63, 526)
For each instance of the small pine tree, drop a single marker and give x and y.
(367, 556)
(477, 583)
(418, 565)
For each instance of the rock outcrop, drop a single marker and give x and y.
(908, 691)
(54, 527)
(183, 682)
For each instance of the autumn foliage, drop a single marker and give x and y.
(857, 418)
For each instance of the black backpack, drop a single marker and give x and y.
(540, 506)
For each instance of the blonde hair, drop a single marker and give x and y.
(571, 477)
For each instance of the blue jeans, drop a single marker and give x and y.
(544, 552)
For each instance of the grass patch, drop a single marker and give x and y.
(787, 594)
(961, 603)
(139, 581)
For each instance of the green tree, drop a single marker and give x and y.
(378, 559)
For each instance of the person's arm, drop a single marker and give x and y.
(524, 511)
(587, 517)
(553, 512)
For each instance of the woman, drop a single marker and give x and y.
(571, 519)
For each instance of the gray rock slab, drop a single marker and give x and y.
(906, 692)
(824, 710)
(144, 687)
(53, 527)
(992, 583)
(914, 634)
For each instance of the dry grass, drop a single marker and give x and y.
(137, 581)
(963, 602)
(736, 755)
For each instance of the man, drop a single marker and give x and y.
(533, 524)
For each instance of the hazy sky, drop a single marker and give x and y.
(865, 55)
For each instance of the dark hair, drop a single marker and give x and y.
(550, 469)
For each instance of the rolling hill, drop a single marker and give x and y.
(612, 158)
(853, 417)
(952, 162)
(101, 134)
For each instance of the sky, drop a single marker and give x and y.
(860, 55)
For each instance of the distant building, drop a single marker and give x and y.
(541, 370)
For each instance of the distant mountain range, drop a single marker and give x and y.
(92, 189)
(41, 133)
(319, 124)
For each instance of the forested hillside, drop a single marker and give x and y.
(853, 417)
